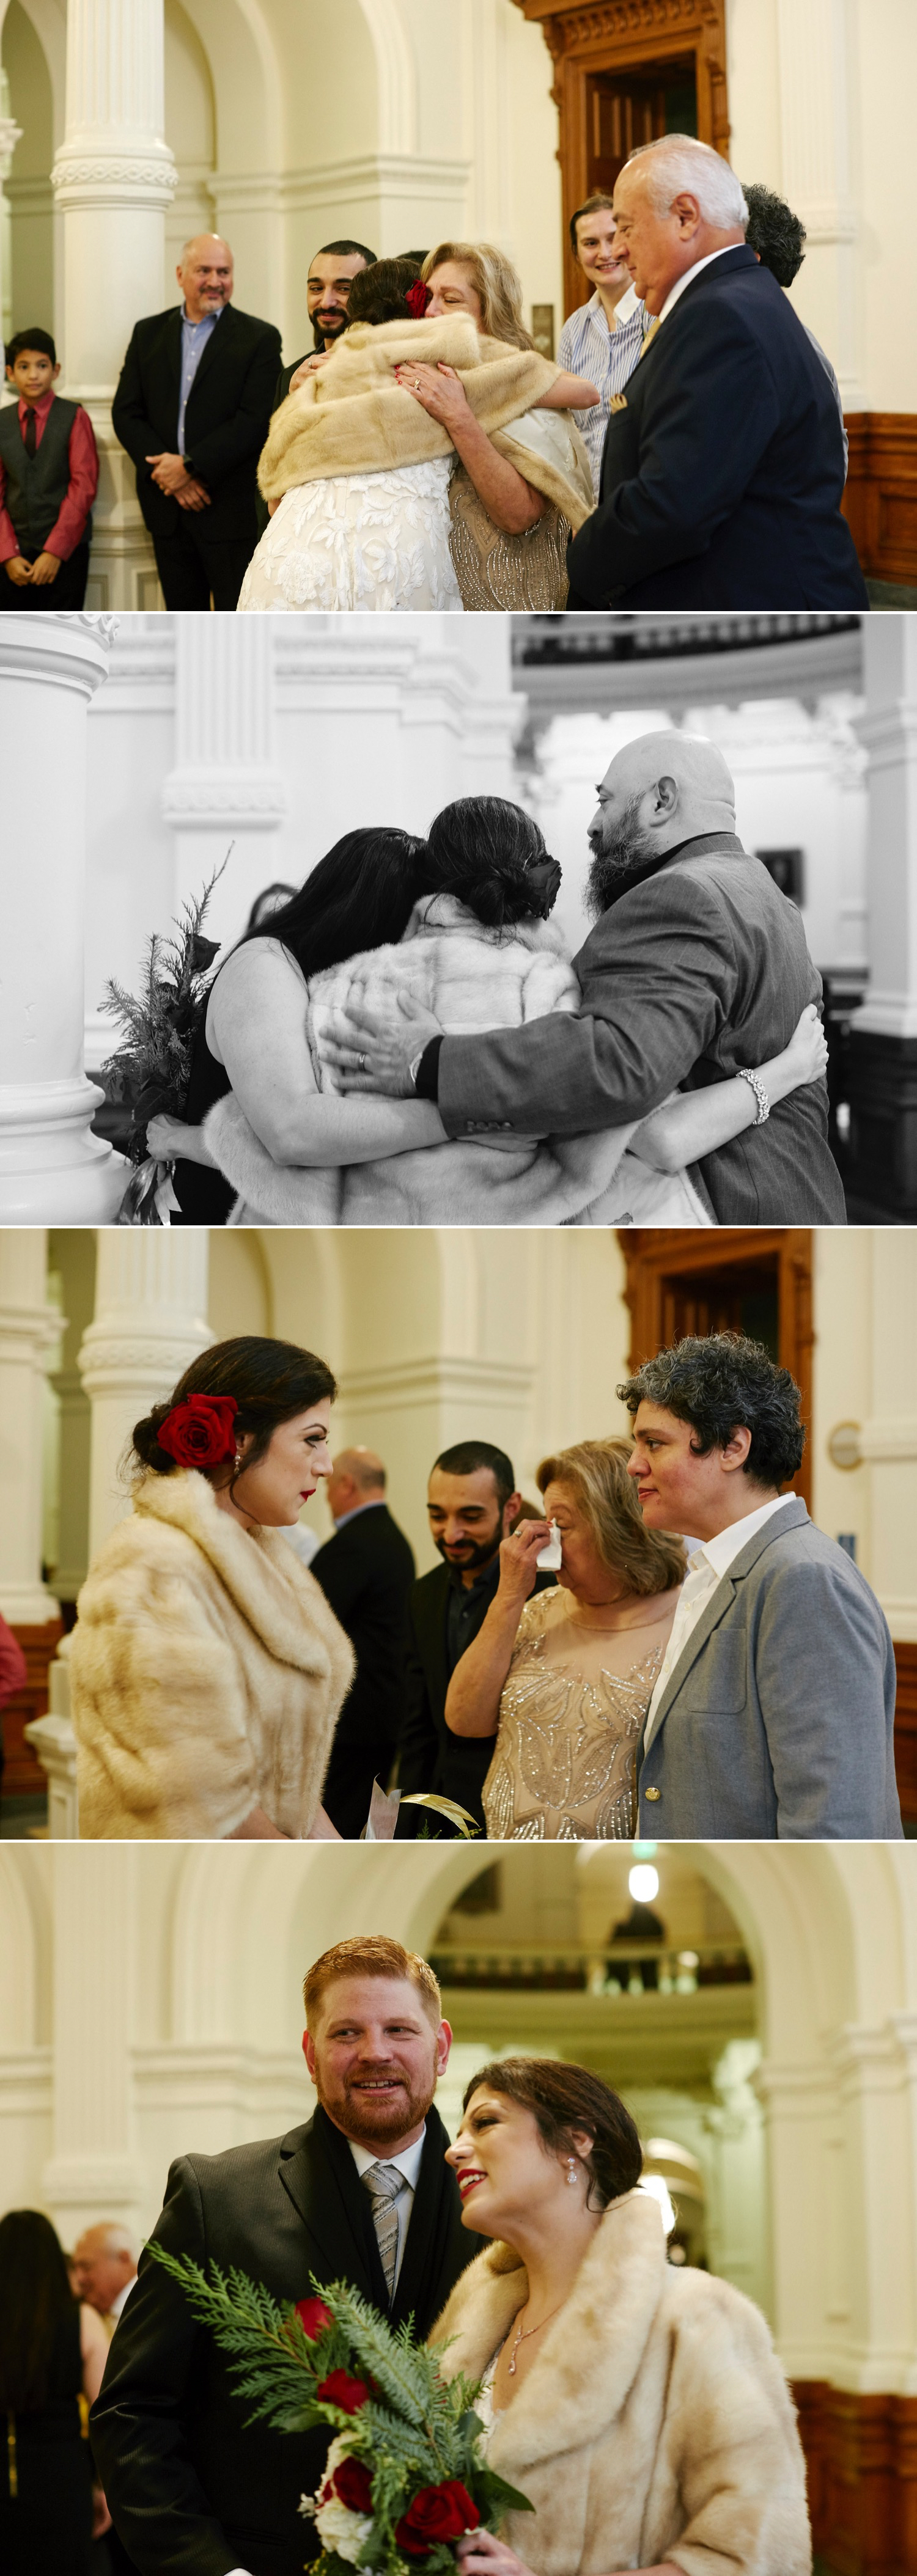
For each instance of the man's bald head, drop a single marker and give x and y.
(662, 789)
(205, 275)
(358, 1477)
(104, 2261)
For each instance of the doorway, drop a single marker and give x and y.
(633, 106)
(615, 84)
(755, 1280)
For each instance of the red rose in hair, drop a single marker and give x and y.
(199, 1431)
(340, 2390)
(417, 298)
(352, 2482)
(437, 2513)
(313, 2317)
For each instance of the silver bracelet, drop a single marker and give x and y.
(414, 1067)
(764, 1106)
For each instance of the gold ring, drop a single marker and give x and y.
(417, 384)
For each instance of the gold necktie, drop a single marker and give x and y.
(648, 335)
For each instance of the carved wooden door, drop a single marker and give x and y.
(627, 108)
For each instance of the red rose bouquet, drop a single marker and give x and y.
(405, 2475)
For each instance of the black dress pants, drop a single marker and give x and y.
(67, 590)
(192, 564)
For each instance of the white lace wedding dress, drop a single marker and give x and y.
(372, 541)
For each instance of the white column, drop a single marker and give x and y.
(225, 785)
(150, 1323)
(28, 1327)
(52, 1169)
(94, 2170)
(888, 1440)
(815, 68)
(113, 179)
(882, 1171)
(889, 732)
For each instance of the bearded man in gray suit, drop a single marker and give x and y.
(697, 969)
(773, 1714)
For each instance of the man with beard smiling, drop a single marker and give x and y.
(472, 1504)
(362, 2194)
(697, 969)
(330, 278)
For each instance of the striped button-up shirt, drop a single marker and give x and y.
(588, 347)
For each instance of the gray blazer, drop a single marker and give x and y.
(777, 1722)
(700, 968)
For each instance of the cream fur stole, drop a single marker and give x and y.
(655, 2422)
(354, 418)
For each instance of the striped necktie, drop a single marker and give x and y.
(384, 2183)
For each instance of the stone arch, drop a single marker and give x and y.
(396, 76)
(32, 45)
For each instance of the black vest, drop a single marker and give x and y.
(37, 485)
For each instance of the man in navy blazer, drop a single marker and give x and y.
(773, 1714)
(723, 465)
(192, 408)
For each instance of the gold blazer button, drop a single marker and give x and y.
(652, 1793)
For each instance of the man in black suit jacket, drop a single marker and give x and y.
(472, 1505)
(723, 466)
(189, 2486)
(192, 408)
(366, 1571)
(697, 968)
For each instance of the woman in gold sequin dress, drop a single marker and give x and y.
(563, 1680)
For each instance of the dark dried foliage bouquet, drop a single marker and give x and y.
(404, 2476)
(150, 1073)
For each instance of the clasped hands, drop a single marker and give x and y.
(375, 1053)
(171, 474)
(44, 569)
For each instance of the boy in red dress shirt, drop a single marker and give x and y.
(49, 470)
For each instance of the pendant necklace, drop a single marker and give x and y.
(523, 2336)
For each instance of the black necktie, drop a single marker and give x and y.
(30, 436)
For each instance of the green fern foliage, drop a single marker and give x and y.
(412, 2428)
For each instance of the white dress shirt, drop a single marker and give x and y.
(707, 1567)
(685, 280)
(408, 2164)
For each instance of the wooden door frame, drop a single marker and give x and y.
(651, 1253)
(621, 35)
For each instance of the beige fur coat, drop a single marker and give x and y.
(656, 2422)
(471, 978)
(207, 1672)
(353, 417)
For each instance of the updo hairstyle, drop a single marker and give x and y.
(271, 1381)
(563, 2098)
(379, 293)
(484, 850)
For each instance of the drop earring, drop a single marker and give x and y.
(571, 2171)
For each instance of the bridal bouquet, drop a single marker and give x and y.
(404, 2476)
(152, 1070)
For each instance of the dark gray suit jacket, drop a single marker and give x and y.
(777, 1722)
(188, 2489)
(696, 971)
